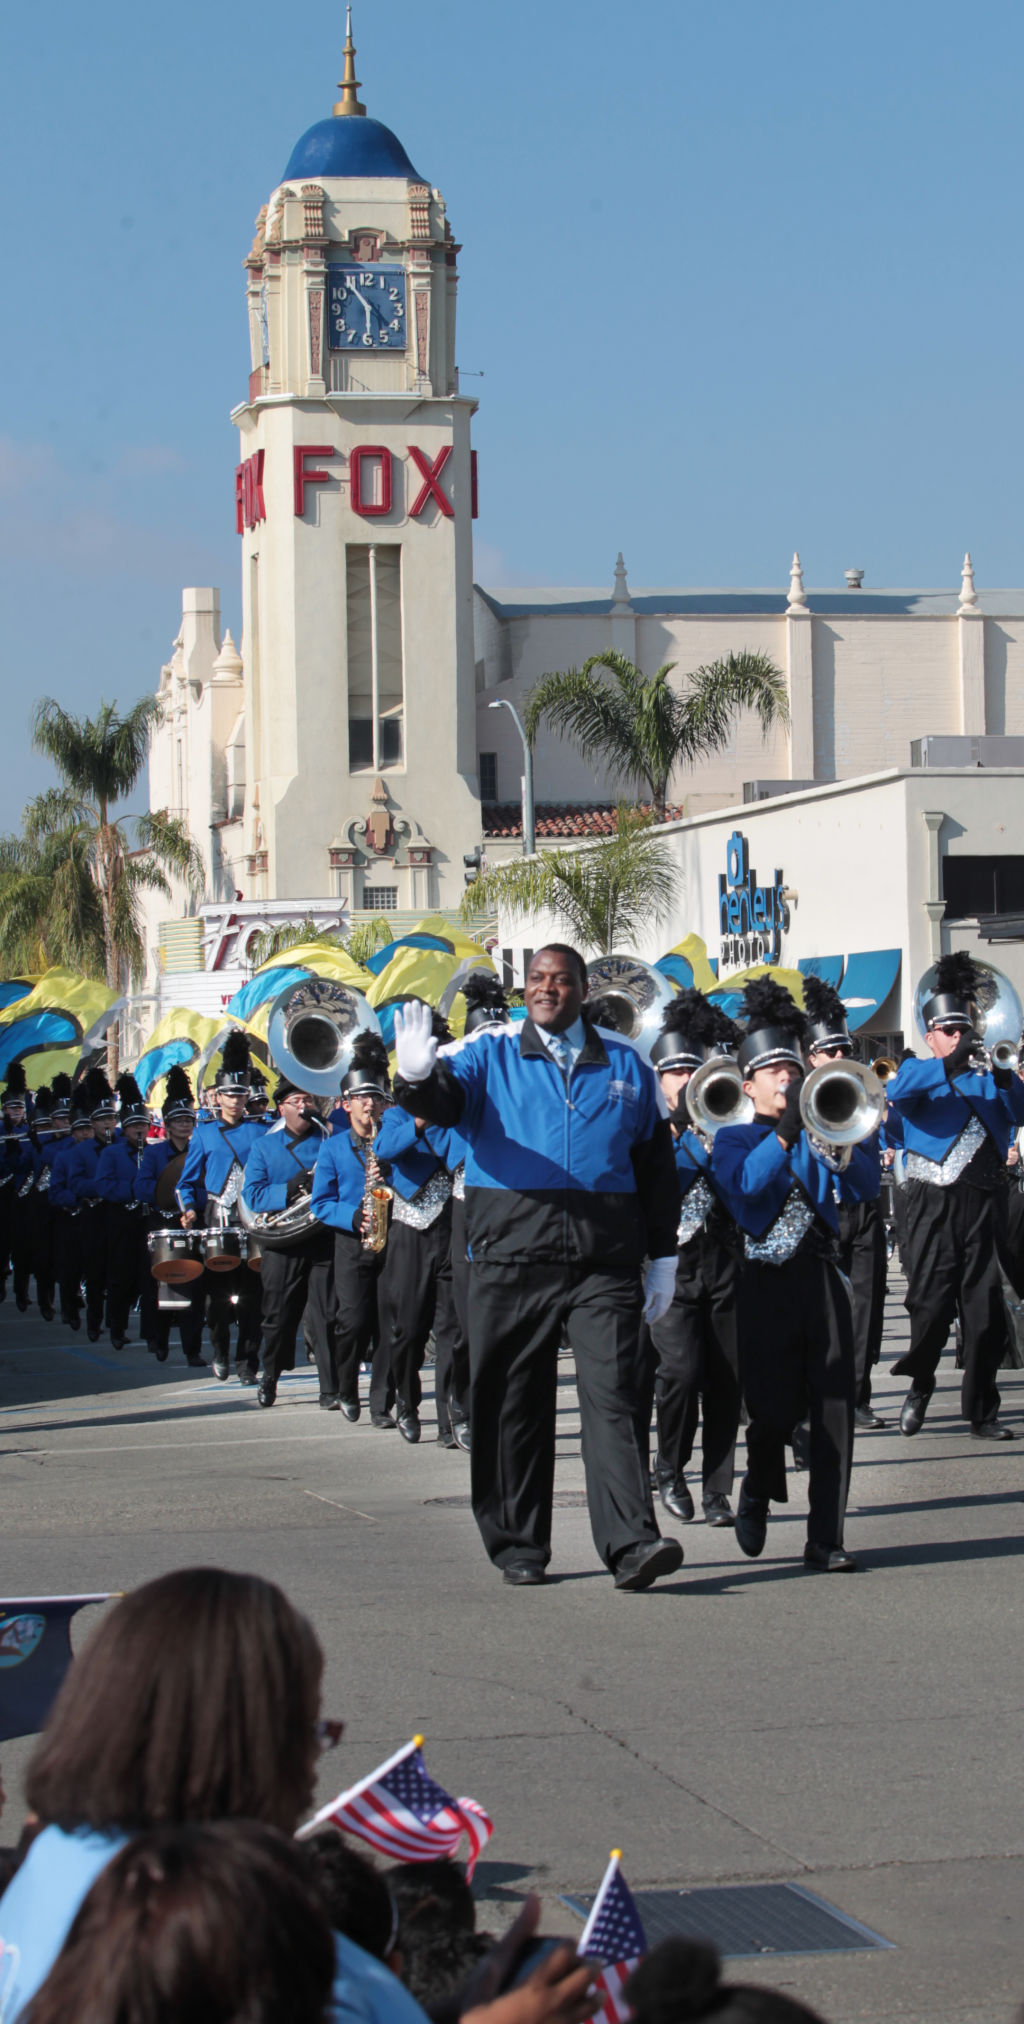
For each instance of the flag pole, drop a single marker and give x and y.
(343, 1798)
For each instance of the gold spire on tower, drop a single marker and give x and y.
(349, 84)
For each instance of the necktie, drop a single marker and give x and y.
(560, 1050)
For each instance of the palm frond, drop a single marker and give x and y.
(707, 709)
(99, 756)
(169, 840)
(604, 894)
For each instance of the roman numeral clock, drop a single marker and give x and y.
(367, 307)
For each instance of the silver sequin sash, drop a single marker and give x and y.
(942, 1173)
(427, 1205)
(786, 1233)
(459, 1182)
(696, 1204)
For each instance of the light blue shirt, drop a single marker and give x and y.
(38, 1909)
(574, 1037)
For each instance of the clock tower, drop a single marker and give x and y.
(354, 497)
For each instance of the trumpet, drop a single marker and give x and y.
(715, 1096)
(1004, 1056)
(839, 1106)
(884, 1067)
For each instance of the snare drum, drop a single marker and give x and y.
(174, 1256)
(222, 1250)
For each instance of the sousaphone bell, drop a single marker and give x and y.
(633, 997)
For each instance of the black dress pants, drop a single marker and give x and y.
(188, 1297)
(357, 1272)
(66, 1263)
(20, 1242)
(862, 1256)
(451, 1372)
(234, 1297)
(518, 1317)
(796, 1363)
(297, 1280)
(124, 1264)
(42, 1217)
(954, 1239)
(698, 1361)
(90, 1226)
(415, 1297)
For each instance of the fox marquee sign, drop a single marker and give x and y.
(752, 918)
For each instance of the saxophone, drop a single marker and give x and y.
(377, 1198)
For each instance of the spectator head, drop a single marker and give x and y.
(221, 1924)
(438, 1967)
(680, 1982)
(196, 1699)
(431, 1894)
(355, 1895)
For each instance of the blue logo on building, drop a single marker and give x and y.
(751, 918)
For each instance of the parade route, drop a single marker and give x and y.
(743, 1722)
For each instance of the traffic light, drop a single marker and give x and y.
(473, 861)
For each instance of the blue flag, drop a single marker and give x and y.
(35, 1653)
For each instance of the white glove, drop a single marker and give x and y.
(659, 1286)
(415, 1046)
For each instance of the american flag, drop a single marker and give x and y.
(399, 1810)
(613, 1935)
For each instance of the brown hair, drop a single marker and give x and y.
(219, 1924)
(196, 1699)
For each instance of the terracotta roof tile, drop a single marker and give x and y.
(555, 819)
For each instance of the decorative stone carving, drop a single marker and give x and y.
(254, 257)
(313, 211)
(968, 605)
(422, 300)
(419, 210)
(797, 606)
(316, 327)
(365, 245)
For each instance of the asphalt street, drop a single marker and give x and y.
(744, 1722)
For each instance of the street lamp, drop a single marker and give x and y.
(526, 783)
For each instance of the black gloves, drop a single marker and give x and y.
(958, 1062)
(300, 1184)
(1003, 1078)
(791, 1124)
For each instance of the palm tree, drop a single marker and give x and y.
(640, 728)
(604, 894)
(103, 864)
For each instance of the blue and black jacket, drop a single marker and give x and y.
(339, 1181)
(934, 1109)
(83, 1169)
(61, 1194)
(559, 1168)
(412, 1154)
(279, 1160)
(755, 1173)
(213, 1150)
(117, 1170)
(17, 1161)
(155, 1158)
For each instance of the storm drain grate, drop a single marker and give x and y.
(745, 1919)
(564, 1500)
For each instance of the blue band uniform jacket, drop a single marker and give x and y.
(762, 1182)
(339, 1182)
(213, 1150)
(947, 1123)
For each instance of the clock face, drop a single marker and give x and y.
(367, 307)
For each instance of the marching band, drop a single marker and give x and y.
(692, 1207)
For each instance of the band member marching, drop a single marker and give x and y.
(780, 1183)
(116, 1174)
(214, 1164)
(67, 1252)
(48, 1131)
(17, 1167)
(958, 1115)
(346, 1178)
(160, 1169)
(862, 1249)
(89, 1208)
(296, 1272)
(694, 1344)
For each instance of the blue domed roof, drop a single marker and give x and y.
(349, 147)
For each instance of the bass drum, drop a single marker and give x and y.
(222, 1250)
(174, 1256)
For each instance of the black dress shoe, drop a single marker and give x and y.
(828, 1559)
(195, 1362)
(383, 1420)
(246, 1374)
(523, 1574)
(751, 1523)
(266, 1392)
(866, 1417)
(220, 1366)
(717, 1508)
(45, 1310)
(117, 1341)
(93, 1333)
(991, 1430)
(409, 1427)
(22, 1305)
(329, 1405)
(460, 1434)
(162, 1350)
(913, 1410)
(445, 1438)
(677, 1500)
(639, 1566)
(351, 1408)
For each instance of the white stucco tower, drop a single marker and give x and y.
(354, 502)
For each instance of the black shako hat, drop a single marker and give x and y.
(100, 1100)
(775, 1027)
(178, 1098)
(826, 1016)
(486, 1003)
(134, 1109)
(234, 1074)
(61, 1087)
(692, 1030)
(17, 1086)
(368, 1072)
(954, 998)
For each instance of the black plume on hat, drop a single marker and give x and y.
(130, 1094)
(822, 1003)
(16, 1083)
(256, 1077)
(98, 1093)
(234, 1059)
(178, 1091)
(766, 1003)
(61, 1086)
(42, 1101)
(440, 1028)
(957, 974)
(693, 1017)
(481, 988)
(726, 1033)
(368, 1069)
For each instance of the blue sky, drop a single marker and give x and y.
(739, 277)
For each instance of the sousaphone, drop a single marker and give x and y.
(633, 997)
